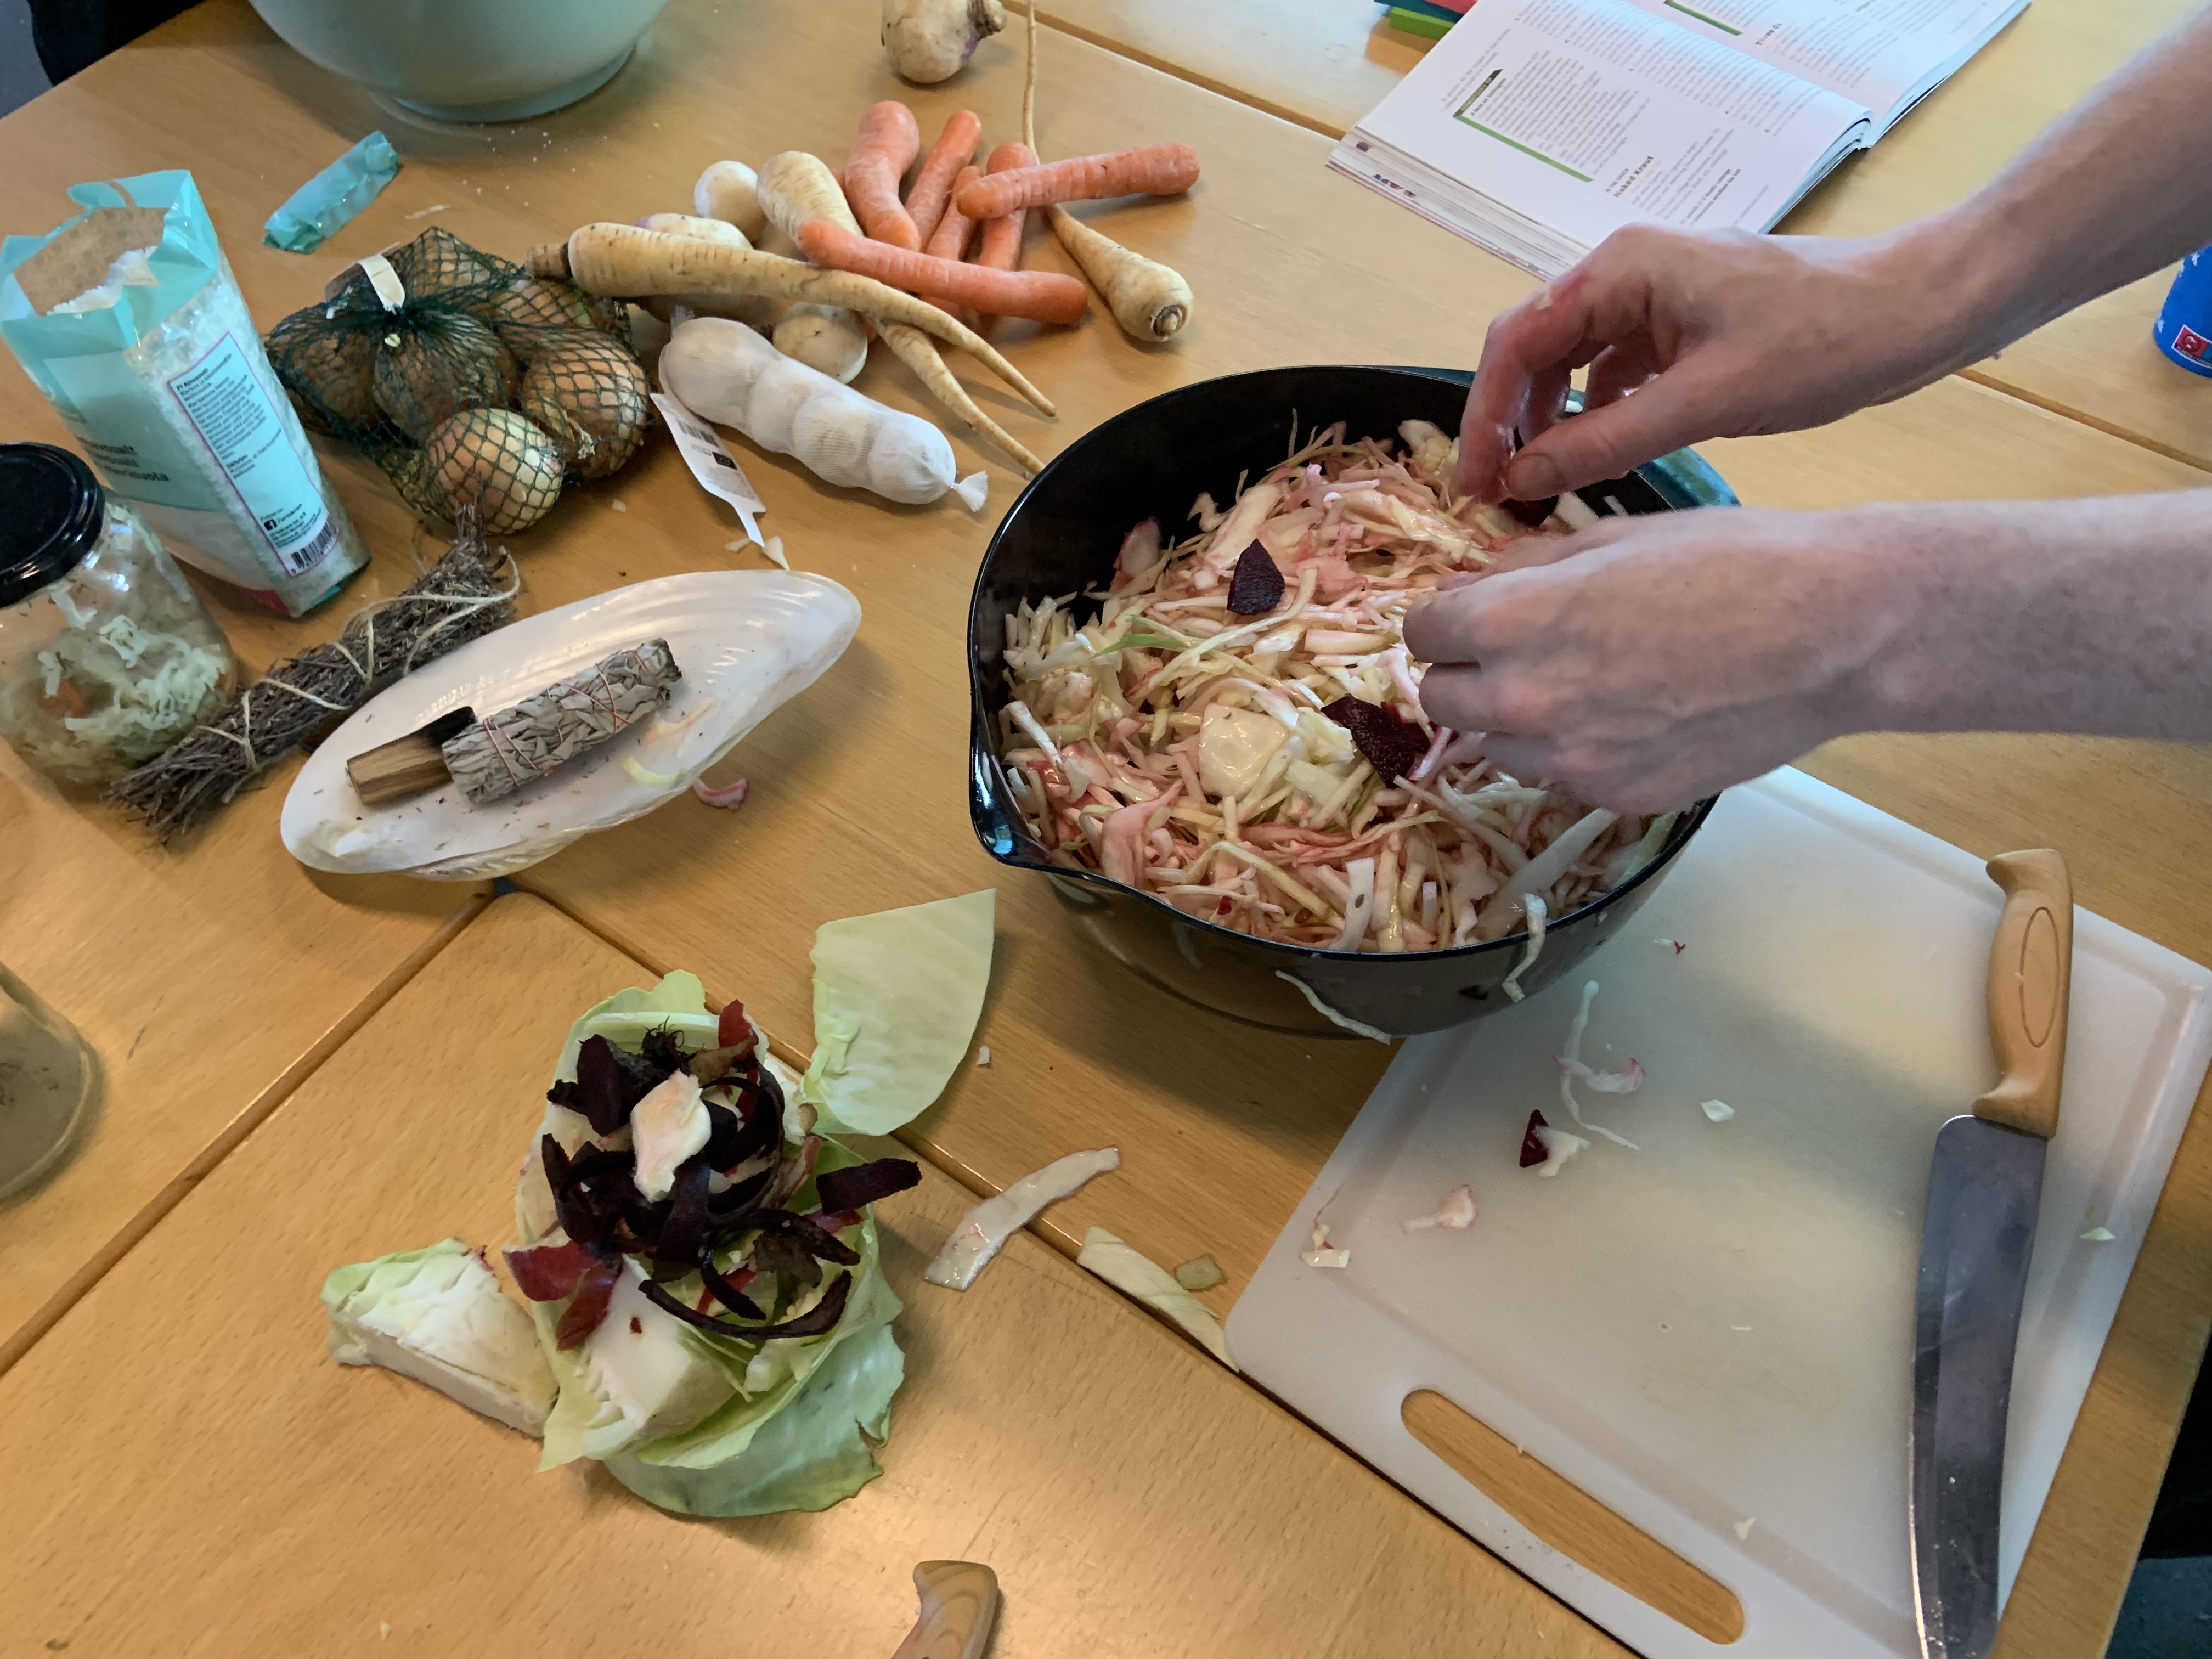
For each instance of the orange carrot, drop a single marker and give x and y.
(933, 185)
(1155, 170)
(1047, 296)
(1000, 246)
(889, 142)
(950, 239)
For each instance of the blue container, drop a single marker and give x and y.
(2184, 328)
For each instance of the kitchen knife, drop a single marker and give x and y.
(1982, 1192)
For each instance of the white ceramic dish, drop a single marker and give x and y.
(747, 641)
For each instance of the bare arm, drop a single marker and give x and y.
(1653, 660)
(1728, 335)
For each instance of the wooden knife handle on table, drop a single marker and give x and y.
(2031, 972)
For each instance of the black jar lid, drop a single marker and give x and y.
(52, 509)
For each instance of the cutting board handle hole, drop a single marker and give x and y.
(1571, 1521)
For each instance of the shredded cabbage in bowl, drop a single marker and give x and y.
(1243, 736)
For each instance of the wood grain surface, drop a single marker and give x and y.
(859, 801)
(188, 1472)
(208, 981)
(1324, 64)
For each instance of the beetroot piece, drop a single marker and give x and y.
(1531, 514)
(1532, 1143)
(1257, 587)
(863, 1183)
(547, 1273)
(822, 1317)
(1393, 746)
(594, 1290)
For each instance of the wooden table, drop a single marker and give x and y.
(1324, 64)
(858, 800)
(205, 1479)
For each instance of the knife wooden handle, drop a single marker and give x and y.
(2031, 971)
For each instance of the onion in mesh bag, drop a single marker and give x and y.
(498, 462)
(589, 394)
(433, 366)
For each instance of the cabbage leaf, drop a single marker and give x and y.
(896, 996)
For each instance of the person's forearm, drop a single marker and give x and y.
(2115, 188)
(2090, 615)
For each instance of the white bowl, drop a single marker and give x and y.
(467, 60)
(746, 641)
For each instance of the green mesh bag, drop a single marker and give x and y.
(470, 382)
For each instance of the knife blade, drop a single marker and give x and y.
(1984, 1187)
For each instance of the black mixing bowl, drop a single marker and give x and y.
(1061, 537)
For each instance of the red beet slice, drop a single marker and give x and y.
(546, 1273)
(594, 1290)
(1257, 587)
(1393, 746)
(1531, 514)
(1532, 1143)
(863, 1183)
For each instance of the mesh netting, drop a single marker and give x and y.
(481, 388)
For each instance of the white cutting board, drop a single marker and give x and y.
(1830, 989)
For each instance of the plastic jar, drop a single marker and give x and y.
(106, 655)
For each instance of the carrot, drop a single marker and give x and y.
(950, 239)
(1155, 170)
(622, 261)
(889, 142)
(932, 185)
(1001, 244)
(1047, 296)
(795, 187)
(949, 242)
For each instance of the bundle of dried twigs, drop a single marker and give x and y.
(469, 591)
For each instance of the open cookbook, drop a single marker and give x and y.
(1536, 128)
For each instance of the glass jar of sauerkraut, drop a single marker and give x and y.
(106, 655)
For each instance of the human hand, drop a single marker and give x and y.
(1649, 661)
(1715, 335)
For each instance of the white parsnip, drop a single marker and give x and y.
(826, 338)
(622, 261)
(730, 192)
(919, 353)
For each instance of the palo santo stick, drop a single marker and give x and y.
(622, 262)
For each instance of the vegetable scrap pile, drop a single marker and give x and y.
(709, 1312)
(914, 247)
(1237, 728)
(476, 386)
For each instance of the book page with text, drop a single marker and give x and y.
(1586, 115)
(1876, 52)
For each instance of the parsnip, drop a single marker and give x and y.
(1149, 299)
(824, 337)
(727, 373)
(729, 190)
(917, 350)
(622, 261)
(794, 187)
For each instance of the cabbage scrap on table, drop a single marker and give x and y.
(1237, 728)
(701, 1258)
